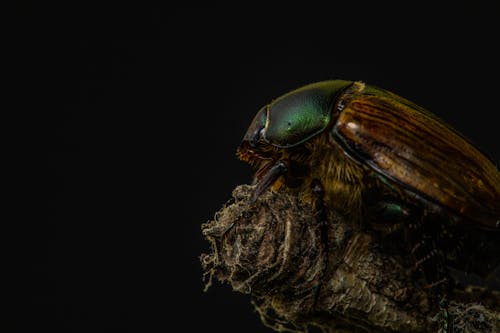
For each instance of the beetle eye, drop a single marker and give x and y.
(259, 135)
(256, 136)
(255, 132)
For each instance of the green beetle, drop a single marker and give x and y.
(356, 139)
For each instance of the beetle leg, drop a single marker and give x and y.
(417, 246)
(429, 260)
(436, 284)
(269, 177)
(419, 263)
(445, 316)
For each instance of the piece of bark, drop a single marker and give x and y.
(303, 272)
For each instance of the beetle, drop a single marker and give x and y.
(355, 139)
(362, 145)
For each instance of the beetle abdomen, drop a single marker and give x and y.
(419, 152)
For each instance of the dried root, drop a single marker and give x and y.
(275, 251)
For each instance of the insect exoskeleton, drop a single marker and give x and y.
(357, 139)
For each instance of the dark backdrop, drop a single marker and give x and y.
(139, 111)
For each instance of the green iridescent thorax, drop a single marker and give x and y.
(301, 114)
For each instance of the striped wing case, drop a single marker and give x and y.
(416, 150)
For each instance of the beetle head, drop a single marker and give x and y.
(279, 129)
(255, 133)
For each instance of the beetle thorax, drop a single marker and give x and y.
(341, 178)
(319, 159)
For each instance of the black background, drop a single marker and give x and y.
(138, 111)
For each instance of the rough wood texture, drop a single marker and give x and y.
(276, 251)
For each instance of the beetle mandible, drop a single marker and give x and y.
(355, 138)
